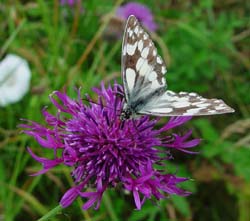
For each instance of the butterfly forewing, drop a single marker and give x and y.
(142, 68)
(144, 81)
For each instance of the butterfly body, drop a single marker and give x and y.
(144, 83)
(135, 104)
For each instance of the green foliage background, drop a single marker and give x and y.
(206, 45)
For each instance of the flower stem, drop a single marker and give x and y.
(109, 207)
(51, 213)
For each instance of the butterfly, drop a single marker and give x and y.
(144, 83)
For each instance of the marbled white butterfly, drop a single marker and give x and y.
(143, 72)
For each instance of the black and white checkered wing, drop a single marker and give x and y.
(184, 104)
(145, 85)
(142, 68)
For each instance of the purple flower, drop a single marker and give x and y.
(140, 11)
(104, 151)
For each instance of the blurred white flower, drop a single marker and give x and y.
(15, 77)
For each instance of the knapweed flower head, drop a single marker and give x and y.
(104, 151)
(140, 11)
(15, 76)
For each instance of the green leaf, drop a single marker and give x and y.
(208, 132)
(182, 205)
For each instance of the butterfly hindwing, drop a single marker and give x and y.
(184, 104)
(144, 82)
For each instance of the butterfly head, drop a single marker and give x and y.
(127, 112)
